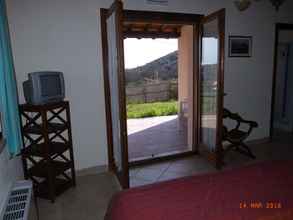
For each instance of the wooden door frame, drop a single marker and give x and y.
(147, 16)
(161, 17)
(104, 15)
(217, 157)
(279, 27)
(111, 162)
(221, 75)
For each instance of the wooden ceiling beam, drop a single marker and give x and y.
(177, 29)
(147, 34)
(146, 28)
(162, 28)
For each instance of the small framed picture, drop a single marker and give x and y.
(240, 46)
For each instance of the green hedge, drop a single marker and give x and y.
(152, 109)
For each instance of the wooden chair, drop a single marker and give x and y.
(235, 136)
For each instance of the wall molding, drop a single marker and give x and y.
(92, 170)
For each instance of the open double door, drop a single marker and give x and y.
(209, 39)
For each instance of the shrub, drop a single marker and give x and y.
(152, 109)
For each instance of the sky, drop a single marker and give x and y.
(138, 52)
(210, 51)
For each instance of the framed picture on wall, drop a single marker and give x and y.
(240, 46)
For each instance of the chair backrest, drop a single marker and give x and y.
(233, 116)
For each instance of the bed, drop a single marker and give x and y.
(262, 191)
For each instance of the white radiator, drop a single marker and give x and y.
(19, 204)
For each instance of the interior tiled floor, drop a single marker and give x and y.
(88, 200)
(280, 148)
(169, 170)
(92, 194)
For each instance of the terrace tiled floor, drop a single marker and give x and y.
(149, 137)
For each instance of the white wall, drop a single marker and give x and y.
(65, 35)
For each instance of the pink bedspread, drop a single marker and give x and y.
(263, 192)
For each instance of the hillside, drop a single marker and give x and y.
(164, 68)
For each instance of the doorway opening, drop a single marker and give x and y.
(118, 24)
(282, 102)
(159, 90)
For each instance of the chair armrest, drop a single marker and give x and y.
(236, 117)
(251, 123)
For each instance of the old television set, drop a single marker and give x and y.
(44, 87)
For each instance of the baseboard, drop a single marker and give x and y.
(92, 170)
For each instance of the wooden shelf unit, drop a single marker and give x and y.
(47, 154)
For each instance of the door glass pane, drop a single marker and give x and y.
(209, 87)
(114, 91)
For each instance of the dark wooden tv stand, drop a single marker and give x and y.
(47, 154)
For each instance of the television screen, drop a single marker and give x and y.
(50, 85)
(44, 87)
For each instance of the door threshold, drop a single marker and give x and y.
(161, 157)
